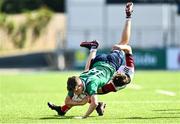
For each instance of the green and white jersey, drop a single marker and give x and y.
(96, 77)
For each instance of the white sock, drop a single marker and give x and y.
(93, 50)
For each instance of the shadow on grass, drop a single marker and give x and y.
(60, 117)
(56, 117)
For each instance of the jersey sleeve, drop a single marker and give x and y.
(91, 88)
(129, 60)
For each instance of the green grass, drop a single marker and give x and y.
(24, 97)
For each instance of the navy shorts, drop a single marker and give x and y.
(116, 58)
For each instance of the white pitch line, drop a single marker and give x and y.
(164, 92)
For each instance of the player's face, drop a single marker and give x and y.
(78, 90)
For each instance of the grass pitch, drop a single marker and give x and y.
(153, 97)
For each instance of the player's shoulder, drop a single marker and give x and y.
(126, 69)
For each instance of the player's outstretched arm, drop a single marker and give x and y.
(127, 28)
(92, 106)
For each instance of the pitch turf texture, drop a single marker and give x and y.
(153, 97)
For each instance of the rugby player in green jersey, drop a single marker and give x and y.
(103, 73)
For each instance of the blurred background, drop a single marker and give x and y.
(45, 34)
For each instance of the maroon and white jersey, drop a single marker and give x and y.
(128, 68)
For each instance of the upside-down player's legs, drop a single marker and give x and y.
(127, 28)
(92, 46)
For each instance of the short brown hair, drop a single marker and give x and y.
(121, 79)
(71, 83)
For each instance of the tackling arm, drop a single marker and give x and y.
(70, 102)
